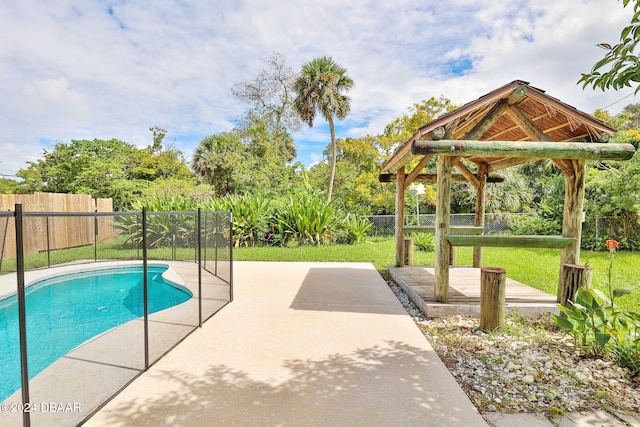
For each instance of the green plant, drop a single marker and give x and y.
(251, 214)
(305, 219)
(354, 229)
(587, 320)
(598, 325)
(424, 241)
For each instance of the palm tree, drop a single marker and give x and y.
(320, 88)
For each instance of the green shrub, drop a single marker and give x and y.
(598, 325)
(535, 225)
(305, 219)
(424, 241)
(353, 229)
(251, 213)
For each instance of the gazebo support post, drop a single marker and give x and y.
(478, 220)
(443, 222)
(573, 206)
(400, 217)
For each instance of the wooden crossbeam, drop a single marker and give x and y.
(432, 177)
(554, 242)
(527, 125)
(566, 169)
(526, 149)
(454, 229)
(487, 121)
(467, 173)
(416, 171)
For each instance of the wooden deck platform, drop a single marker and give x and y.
(464, 292)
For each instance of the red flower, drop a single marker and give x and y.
(612, 245)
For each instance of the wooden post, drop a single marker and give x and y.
(492, 297)
(400, 217)
(572, 218)
(478, 220)
(443, 222)
(452, 254)
(408, 251)
(572, 278)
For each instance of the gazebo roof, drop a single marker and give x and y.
(513, 112)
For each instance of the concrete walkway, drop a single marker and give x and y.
(320, 344)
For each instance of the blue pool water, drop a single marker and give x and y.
(65, 311)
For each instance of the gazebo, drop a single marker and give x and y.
(512, 125)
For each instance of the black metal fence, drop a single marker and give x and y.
(79, 323)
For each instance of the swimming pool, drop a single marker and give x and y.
(67, 310)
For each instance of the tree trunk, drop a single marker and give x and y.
(334, 155)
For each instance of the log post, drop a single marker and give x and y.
(408, 251)
(443, 223)
(572, 217)
(478, 219)
(572, 278)
(400, 217)
(492, 297)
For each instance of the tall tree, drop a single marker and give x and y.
(270, 93)
(320, 88)
(620, 67)
(217, 159)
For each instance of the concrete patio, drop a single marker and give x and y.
(302, 344)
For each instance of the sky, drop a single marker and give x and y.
(112, 69)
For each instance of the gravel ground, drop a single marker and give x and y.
(528, 367)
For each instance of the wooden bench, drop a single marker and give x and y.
(456, 229)
(553, 242)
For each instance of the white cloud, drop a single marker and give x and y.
(52, 99)
(113, 69)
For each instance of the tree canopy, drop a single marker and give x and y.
(620, 66)
(102, 168)
(246, 158)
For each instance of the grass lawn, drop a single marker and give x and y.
(535, 267)
(538, 268)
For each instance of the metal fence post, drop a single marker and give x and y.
(215, 242)
(231, 255)
(22, 316)
(199, 244)
(48, 245)
(206, 240)
(95, 236)
(145, 288)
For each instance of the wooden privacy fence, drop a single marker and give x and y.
(51, 232)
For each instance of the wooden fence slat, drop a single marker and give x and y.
(64, 232)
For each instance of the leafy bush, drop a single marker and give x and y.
(597, 325)
(251, 214)
(535, 225)
(353, 229)
(424, 241)
(163, 230)
(298, 219)
(305, 219)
